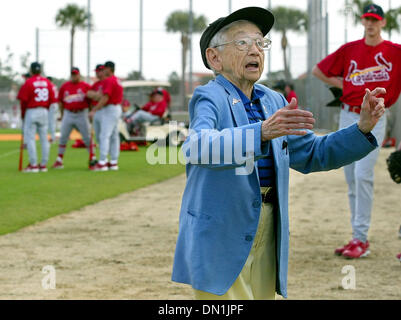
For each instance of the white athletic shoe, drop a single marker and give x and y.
(100, 167)
(31, 169)
(113, 167)
(58, 165)
(42, 168)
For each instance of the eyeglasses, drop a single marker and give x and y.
(245, 44)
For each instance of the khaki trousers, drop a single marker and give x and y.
(257, 280)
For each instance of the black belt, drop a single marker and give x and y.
(269, 196)
(76, 110)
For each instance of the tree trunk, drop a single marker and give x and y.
(72, 48)
(284, 45)
(184, 42)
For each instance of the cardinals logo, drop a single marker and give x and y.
(76, 97)
(377, 73)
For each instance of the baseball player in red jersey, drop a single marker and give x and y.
(153, 110)
(74, 109)
(95, 93)
(105, 115)
(366, 63)
(36, 95)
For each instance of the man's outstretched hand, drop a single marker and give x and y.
(372, 109)
(287, 121)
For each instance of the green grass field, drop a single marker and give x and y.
(8, 131)
(27, 198)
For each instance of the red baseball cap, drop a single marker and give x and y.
(99, 67)
(126, 103)
(74, 70)
(374, 11)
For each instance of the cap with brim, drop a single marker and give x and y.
(376, 16)
(126, 103)
(74, 71)
(374, 11)
(156, 91)
(35, 67)
(99, 67)
(262, 18)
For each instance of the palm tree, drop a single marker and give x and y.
(288, 19)
(392, 16)
(75, 18)
(178, 21)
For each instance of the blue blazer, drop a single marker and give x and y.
(222, 202)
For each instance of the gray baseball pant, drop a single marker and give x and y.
(105, 124)
(78, 121)
(36, 121)
(360, 177)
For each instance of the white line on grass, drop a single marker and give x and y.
(8, 153)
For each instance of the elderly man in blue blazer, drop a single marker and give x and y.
(233, 235)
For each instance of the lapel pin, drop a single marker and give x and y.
(235, 101)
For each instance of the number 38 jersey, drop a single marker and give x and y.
(36, 92)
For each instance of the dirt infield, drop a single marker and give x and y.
(123, 248)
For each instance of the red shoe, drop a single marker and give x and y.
(339, 251)
(358, 249)
(100, 167)
(58, 165)
(42, 168)
(31, 169)
(79, 143)
(399, 256)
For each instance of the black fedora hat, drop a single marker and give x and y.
(261, 17)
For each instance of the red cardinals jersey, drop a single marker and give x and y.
(362, 66)
(291, 95)
(98, 87)
(55, 100)
(113, 88)
(37, 91)
(156, 108)
(73, 95)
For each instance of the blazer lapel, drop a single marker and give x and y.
(236, 105)
(275, 143)
(266, 109)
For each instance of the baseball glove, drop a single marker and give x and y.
(394, 166)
